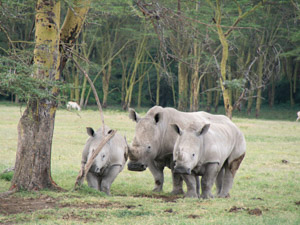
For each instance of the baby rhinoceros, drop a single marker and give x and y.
(109, 162)
(213, 149)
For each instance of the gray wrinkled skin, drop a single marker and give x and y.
(212, 148)
(108, 163)
(153, 144)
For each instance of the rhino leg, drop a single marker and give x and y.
(177, 184)
(230, 170)
(93, 181)
(191, 184)
(208, 179)
(109, 177)
(219, 181)
(158, 174)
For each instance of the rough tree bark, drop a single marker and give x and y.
(36, 126)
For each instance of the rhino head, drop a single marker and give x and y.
(146, 141)
(102, 159)
(188, 148)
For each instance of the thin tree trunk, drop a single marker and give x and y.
(250, 102)
(217, 99)
(182, 86)
(141, 82)
(259, 89)
(105, 83)
(157, 85)
(209, 93)
(272, 92)
(77, 89)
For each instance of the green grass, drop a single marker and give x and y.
(263, 181)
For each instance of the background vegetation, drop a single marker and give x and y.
(139, 58)
(268, 180)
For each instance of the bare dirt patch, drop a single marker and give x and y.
(14, 205)
(256, 211)
(168, 210)
(171, 198)
(193, 216)
(235, 209)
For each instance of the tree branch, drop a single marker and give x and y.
(94, 91)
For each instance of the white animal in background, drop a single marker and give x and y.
(73, 105)
(298, 114)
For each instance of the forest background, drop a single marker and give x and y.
(168, 53)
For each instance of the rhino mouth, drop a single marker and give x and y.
(182, 170)
(136, 166)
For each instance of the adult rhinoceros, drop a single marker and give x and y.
(212, 148)
(153, 145)
(108, 163)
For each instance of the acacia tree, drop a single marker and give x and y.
(223, 37)
(36, 126)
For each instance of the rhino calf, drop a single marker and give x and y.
(213, 149)
(108, 163)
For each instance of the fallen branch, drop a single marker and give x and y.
(83, 172)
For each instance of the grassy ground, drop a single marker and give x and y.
(266, 189)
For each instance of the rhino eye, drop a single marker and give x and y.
(193, 154)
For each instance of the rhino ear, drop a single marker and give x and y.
(176, 128)
(157, 117)
(203, 130)
(133, 115)
(90, 131)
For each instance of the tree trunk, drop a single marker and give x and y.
(259, 89)
(209, 93)
(272, 92)
(33, 159)
(217, 99)
(250, 102)
(141, 82)
(36, 126)
(83, 91)
(182, 86)
(291, 77)
(157, 85)
(77, 89)
(105, 84)
(223, 40)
